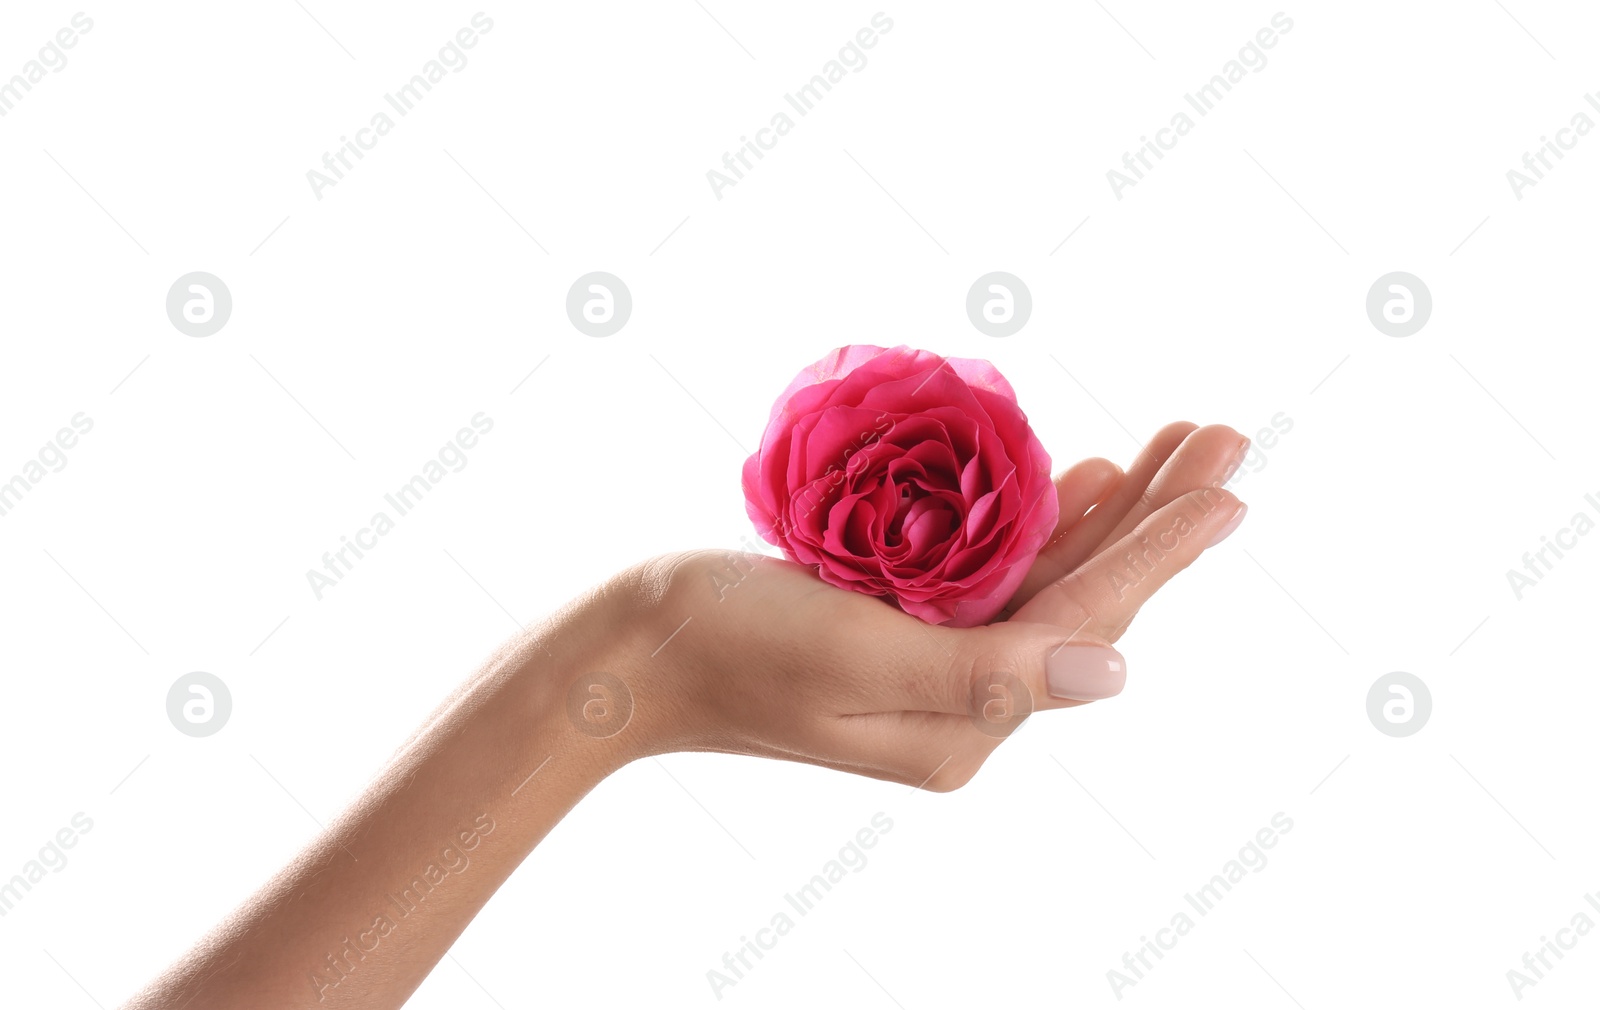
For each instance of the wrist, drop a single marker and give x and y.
(602, 693)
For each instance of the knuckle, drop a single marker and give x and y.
(998, 698)
(689, 578)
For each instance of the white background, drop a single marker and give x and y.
(1228, 286)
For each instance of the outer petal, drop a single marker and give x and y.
(898, 472)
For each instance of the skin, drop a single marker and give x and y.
(715, 651)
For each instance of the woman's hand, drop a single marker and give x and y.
(705, 651)
(744, 653)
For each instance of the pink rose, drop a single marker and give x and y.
(904, 474)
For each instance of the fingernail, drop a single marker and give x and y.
(1237, 461)
(1229, 526)
(1085, 672)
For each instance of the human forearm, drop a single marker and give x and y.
(364, 913)
(709, 651)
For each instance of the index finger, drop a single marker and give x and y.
(1076, 541)
(1101, 597)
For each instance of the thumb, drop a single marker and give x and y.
(1018, 667)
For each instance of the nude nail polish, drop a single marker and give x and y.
(1237, 461)
(1085, 672)
(1229, 526)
